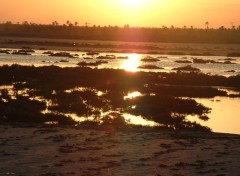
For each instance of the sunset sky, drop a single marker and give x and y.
(153, 13)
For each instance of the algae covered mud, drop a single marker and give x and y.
(108, 97)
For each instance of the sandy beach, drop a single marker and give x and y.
(49, 151)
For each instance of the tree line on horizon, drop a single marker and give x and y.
(115, 33)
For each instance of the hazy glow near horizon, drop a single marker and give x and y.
(120, 12)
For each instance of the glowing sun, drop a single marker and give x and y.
(134, 3)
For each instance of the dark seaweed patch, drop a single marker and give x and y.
(161, 100)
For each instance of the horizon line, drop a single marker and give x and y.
(86, 24)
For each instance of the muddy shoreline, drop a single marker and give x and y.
(60, 151)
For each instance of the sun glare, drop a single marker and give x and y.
(132, 63)
(134, 3)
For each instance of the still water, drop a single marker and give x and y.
(129, 62)
(225, 113)
(224, 116)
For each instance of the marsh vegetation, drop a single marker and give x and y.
(54, 94)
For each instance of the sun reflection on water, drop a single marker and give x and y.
(131, 119)
(224, 116)
(132, 63)
(132, 95)
(138, 120)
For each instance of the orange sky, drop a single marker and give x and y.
(153, 13)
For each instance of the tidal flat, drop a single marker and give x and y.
(106, 96)
(95, 121)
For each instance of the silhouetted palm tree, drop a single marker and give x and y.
(207, 24)
(25, 23)
(8, 22)
(87, 24)
(68, 22)
(233, 26)
(55, 23)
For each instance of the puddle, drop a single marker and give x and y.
(230, 91)
(131, 119)
(132, 95)
(12, 93)
(51, 123)
(225, 114)
(138, 120)
(82, 89)
(6, 87)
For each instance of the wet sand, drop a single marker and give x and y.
(50, 150)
